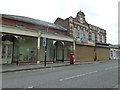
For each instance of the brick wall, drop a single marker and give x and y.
(64, 23)
(14, 23)
(11, 22)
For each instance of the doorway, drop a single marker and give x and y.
(59, 51)
(7, 53)
(8, 49)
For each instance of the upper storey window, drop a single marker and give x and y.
(86, 34)
(75, 30)
(81, 33)
(98, 38)
(93, 36)
(103, 39)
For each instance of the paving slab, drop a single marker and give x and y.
(21, 67)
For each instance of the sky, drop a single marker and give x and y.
(101, 13)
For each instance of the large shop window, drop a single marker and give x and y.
(27, 49)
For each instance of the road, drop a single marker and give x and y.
(97, 75)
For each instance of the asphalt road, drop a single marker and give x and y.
(97, 75)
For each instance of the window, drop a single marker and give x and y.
(86, 34)
(27, 49)
(118, 54)
(103, 39)
(75, 32)
(98, 38)
(81, 33)
(93, 36)
(111, 52)
(78, 27)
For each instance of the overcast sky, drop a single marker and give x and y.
(101, 13)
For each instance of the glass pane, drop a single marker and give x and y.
(9, 52)
(27, 48)
(3, 51)
(16, 53)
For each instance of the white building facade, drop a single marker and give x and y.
(115, 52)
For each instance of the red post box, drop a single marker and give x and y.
(71, 58)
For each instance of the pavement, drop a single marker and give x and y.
(21, 67)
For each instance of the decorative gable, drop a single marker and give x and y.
(81, 17)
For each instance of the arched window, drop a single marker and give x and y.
(86, 34)
(98, 38)
(81, 33)
(93, 36)
(75, 32)
(103, 39)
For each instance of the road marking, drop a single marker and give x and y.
(30, 87)
(77, 75)
(111, 68)
(116, 86)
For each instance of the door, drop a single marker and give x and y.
(59, 51)
(7, 53)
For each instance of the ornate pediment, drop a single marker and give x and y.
(80, 14)
(80, 17)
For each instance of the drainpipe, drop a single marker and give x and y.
(95, 47)
(1, 48)
(13, 49)
(74, 48)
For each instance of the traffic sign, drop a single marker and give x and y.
(44, 42)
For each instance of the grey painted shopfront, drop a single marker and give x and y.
(25, 46)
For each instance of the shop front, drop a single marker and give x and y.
(26, 47)
(18, 48)
(56, 50)
(23, 45)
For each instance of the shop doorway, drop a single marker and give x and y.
(7, 53)
(59, 51)
(9, 50)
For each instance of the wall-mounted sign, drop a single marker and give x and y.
(84, 40)
(78, 39)
(20, 26)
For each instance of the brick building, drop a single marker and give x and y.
(22, 40)
(90, 40)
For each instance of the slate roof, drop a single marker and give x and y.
(34, 21)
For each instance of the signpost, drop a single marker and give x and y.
(44, 45)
